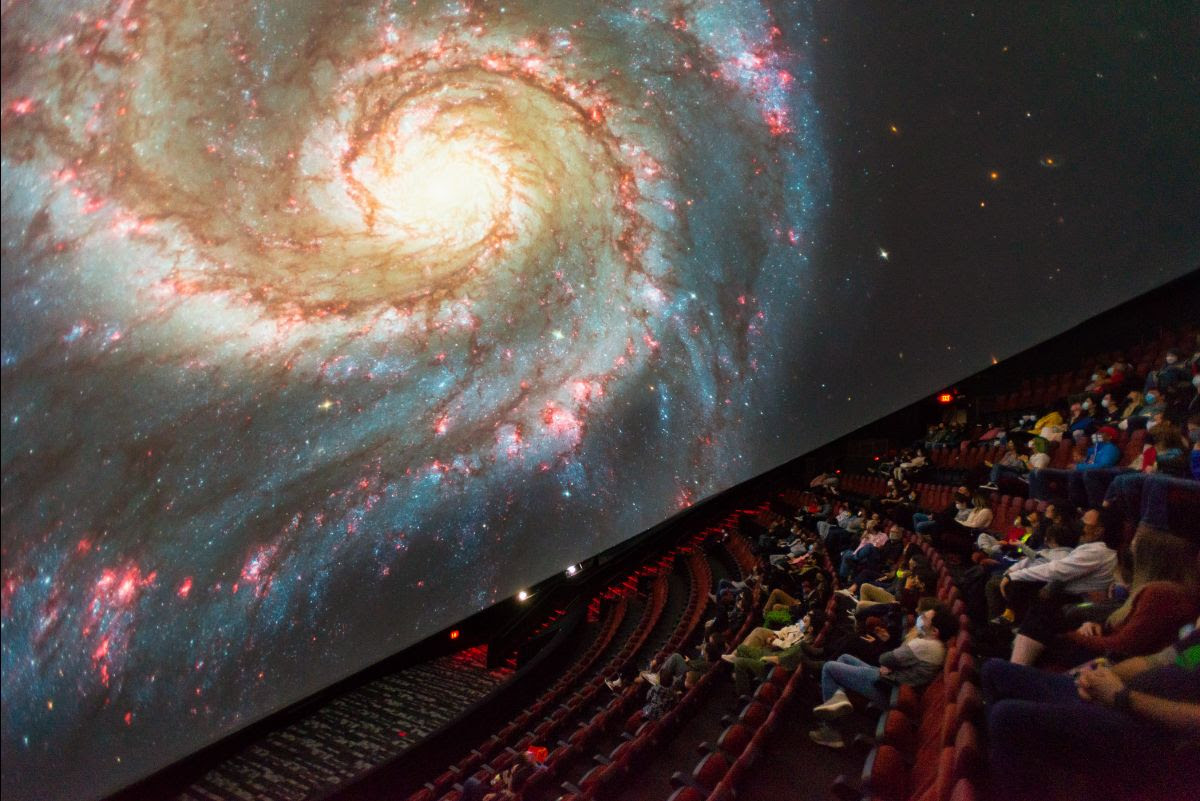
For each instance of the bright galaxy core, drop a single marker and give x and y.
(328, 324)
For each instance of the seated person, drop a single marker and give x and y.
(1012, 463)
(916, 662)
(1103, 451)
(1059, 540)
(928, 525)
(762, 649)
(1164, 595)
(1108, 732)
(1169, 373)
(1084, 574)
(866, 559)
(907, 586)
(959, 536)
(1020, 532)
(504, 785)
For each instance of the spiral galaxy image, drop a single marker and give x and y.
(328, 324)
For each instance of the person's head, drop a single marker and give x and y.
(1134, 398)
(895, 533)
(1159, 555)
(978, 501)
(937, 623)
(1167, 435)
(1061, 536)
(1171, 356)
(1097, 523)
(1076, 409)
(1162, 556)
(1193, 429)
(927, 602)
(1039, 445)
(521, 772)
(1106, 434)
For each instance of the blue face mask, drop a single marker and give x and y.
(920, 625)
(1150, 398)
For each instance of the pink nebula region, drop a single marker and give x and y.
(329, 324)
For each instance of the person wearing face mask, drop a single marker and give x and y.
(915, 663)
(1134, 403)
(1103, 451)
(1171, 372)
(1080, 419)
(1110, 410)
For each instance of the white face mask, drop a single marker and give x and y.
(1110, 371)
(1172, 359)
(1086, 405)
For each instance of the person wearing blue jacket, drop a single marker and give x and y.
(1103, 452)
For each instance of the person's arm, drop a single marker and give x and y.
(1070, 567)
(1104, 686)
(1152, 621)
(898, 658)
(981, 519)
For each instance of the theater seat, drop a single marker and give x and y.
(885, 775)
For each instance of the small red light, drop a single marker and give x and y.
(454, 634)
(945, 397)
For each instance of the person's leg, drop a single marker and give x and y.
(987, 543)
(779, 597)
(759, 638)
(1047, 750)
(1020, 595)
(854, 675)
(1002, 680)
(873, 594)
(995, 601)
(746, 672)
(672, 668)
(926, 528)
(919, 518)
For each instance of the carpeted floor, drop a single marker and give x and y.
(351, 734)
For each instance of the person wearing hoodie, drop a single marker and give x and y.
(915, 663)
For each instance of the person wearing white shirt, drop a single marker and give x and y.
(1086, 572)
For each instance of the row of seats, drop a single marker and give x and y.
(546, 717)
(719, 772)
(642, 738)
